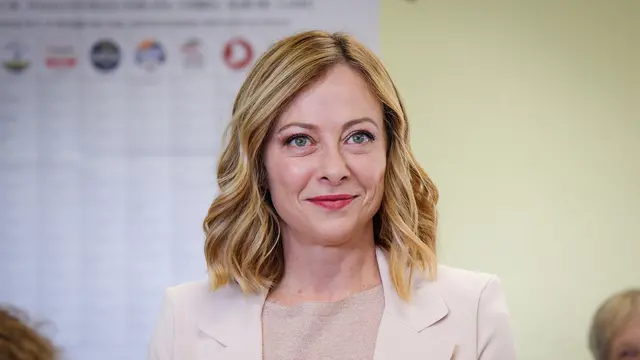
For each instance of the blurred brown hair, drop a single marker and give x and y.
(612, 315)
(20, 341)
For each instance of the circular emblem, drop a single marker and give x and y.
(237, 53)
(105, 55)
(150, 54)
(15, 59)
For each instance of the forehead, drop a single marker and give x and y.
(631, 330)
(340, 96)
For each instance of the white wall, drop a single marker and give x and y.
(527, 116)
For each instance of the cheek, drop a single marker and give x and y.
(288, 175)
(370, 174)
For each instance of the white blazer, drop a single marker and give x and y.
(462, 315)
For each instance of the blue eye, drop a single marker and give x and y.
(299, 141)
(360, 137)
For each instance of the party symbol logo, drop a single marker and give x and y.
(150, 55)
(17, 61)
(105, 55)
(61, 57)
(192, 54)
(238, 53)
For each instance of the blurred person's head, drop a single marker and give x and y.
(318, 152)
(615, 329)
(21, 341)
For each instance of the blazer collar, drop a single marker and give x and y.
(408, 329)
(426, 306)
(233, 319)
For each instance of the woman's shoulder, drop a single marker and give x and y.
(467, 279)
(197, 296)
(476, 301)
(458, 285)
(188, 292)
(455, 285)
(194, 293)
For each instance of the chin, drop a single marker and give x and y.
(332, 240)
(334, 232)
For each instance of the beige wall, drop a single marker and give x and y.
(527, 116)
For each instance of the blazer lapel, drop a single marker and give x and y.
(231, 326)
(409, 330)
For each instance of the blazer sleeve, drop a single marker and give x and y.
(495, 334)
(161, 344)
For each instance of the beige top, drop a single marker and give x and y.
(346, 329)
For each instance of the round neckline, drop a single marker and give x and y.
(337, 303)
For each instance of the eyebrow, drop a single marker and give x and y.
(347, 125)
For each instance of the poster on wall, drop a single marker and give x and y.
(111, 121)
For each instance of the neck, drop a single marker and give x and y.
(316, 272)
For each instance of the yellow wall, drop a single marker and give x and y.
(527, 116)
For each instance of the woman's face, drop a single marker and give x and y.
(326, 160)
(626, 344)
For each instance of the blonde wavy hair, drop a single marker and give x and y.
(611, 317)
(242, 227)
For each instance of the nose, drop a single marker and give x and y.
(333, 167)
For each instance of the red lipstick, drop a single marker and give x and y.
(332, 202)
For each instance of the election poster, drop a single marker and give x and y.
(111, 120)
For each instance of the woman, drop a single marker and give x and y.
(615, 329)
(321, 243)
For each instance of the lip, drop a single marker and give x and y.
(332, 202)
